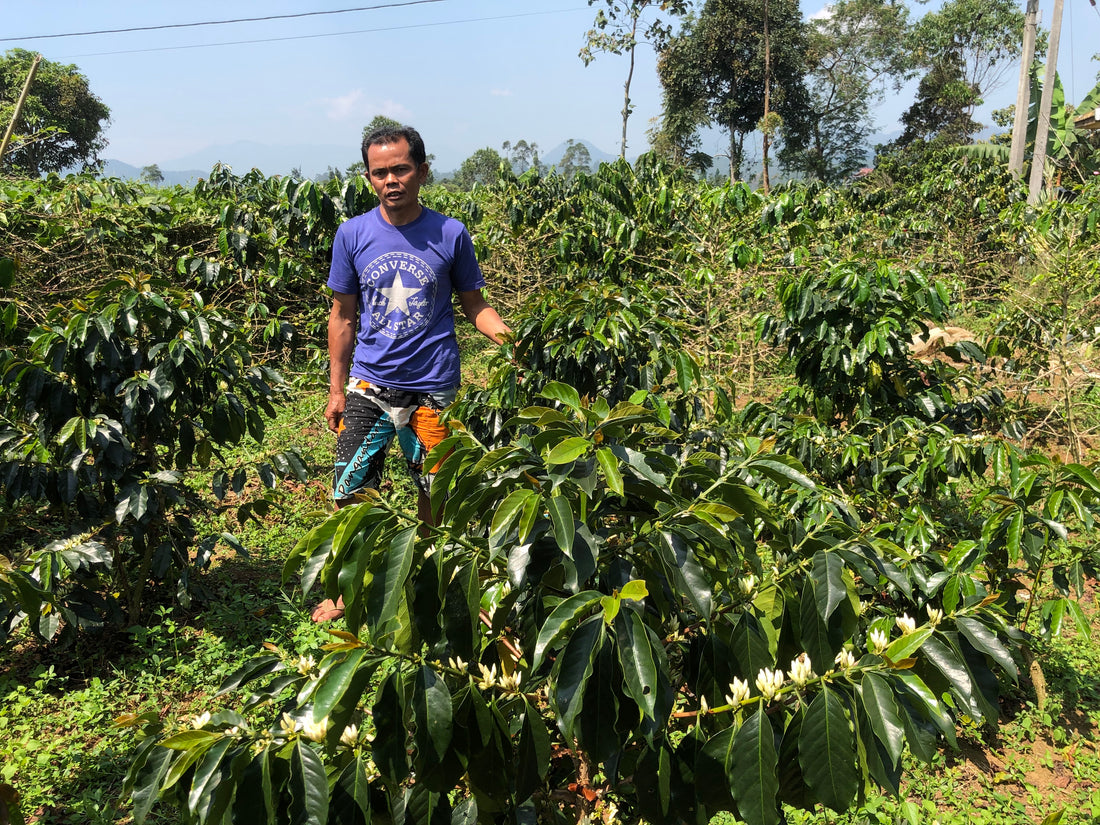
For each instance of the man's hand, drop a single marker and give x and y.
(334, 412)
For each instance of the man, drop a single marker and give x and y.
(393, 355)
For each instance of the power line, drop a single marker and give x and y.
(223, 22)
(327, 34)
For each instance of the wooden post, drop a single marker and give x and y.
(1039, 155)
(1019, 123)
(19, 105)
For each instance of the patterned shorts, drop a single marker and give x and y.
(373, 416)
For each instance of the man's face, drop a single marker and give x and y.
(396, 178)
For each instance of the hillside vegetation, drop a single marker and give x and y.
(771, 499)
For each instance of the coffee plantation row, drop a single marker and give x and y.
(712, 537)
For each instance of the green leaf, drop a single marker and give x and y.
(387, 589)
(572, 671)
(149, 775)
(532, 753)
(882, 711)
(506, 513)
(640, 661)
(336, 680)
(686, 571)
(826, 752)
(610, 466)
(752, 771)
(308, 785)
(570, 449)
(561, 621)
(828, 578)
(187, 739)
(350, 802)
(563, 393)
(561, 516)
(905, 646)
(635, 590)
(986, 641)
(431, 703)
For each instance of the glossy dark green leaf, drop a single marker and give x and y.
(308, 785)
(948, 661)
(752, 771)
(641, 662)
(883, 714)
(561, 622)
(561, 516)
(686, 571)
(387, 589)
(828, 577)
(987, 642)
(149, 774)
(826, 751)
(533, 752)
(350, 803)
(431, 702)
(573, 670)
(336, 681)
(388, 711)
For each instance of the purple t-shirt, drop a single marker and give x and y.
(404, 277)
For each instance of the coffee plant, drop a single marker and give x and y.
(105, 408)
(618, 614)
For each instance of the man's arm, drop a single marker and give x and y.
(483, 316)
(341, 343)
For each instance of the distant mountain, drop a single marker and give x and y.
(118, 169)
(243, 155)
(554, 156)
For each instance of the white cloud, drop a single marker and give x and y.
(357, 106)
(501, 92)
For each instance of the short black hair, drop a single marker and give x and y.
(385, 135)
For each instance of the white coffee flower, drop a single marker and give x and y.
(315, 731)
(768, 682)
(305, 665)
(456, 663)
(801, 670)
(200, 721)
(905, 624)
(877, 641)
(739, 692)
(747, 584)
(350, 736)
(935, 616)
(511, 683)
(289, 724)
(488, 676)
(845, 660)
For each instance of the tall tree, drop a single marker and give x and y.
(719, 68)
(617, 29)
(576, 159)
(856, 49)
(482, 166)
(62, 121)
(522, 155)
(152, 174)
(967, 44)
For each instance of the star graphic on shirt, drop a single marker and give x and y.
(397, 295)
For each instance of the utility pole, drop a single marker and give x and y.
(19, 105)
(1039, 155)
(1019, 123)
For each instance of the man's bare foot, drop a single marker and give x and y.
(328, 610)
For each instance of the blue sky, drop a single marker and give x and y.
(467, 73)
